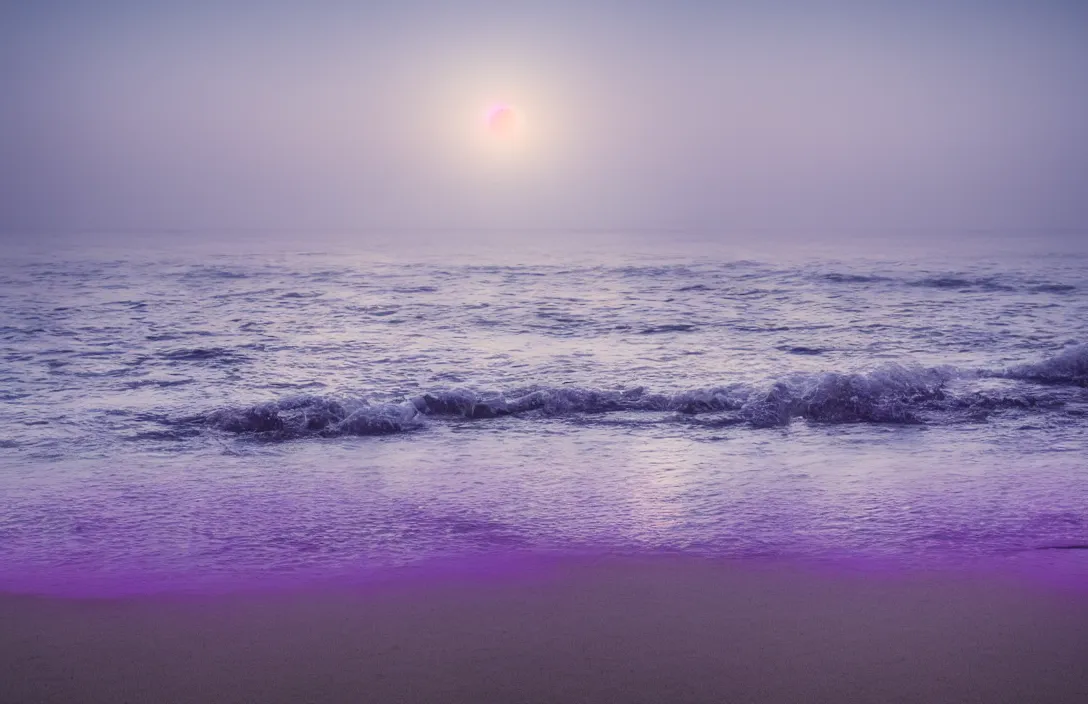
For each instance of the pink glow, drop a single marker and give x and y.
(501, 120)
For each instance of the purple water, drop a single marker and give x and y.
(184, 417)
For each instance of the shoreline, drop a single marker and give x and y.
(615, 629)
(1051, 568)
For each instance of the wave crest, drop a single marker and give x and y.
(891, 394)
(299, 416)
(1069, 366)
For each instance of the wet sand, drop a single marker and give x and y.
(576, 630)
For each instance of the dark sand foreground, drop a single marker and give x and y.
(660, 630)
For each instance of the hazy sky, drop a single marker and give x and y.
(635, 114)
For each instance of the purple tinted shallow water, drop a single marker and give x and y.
(184, 423)
(348, 506)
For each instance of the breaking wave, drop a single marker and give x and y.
(1069, 367)
(893, 394)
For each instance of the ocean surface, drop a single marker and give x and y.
(185, 417)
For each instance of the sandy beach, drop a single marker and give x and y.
(572, 630)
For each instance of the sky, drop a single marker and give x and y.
(683, 115)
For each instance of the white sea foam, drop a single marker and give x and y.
(890, 393)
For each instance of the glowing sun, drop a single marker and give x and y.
(501, 120)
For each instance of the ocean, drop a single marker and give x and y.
(180, 417)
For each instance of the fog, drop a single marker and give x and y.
(681, 116)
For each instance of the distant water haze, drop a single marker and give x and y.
(812, 120)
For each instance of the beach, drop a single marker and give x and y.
(605, 629)
(637, 478)
(543, 352)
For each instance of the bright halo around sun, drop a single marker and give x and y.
(502, 121)
(496, 118)
(506, 136)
